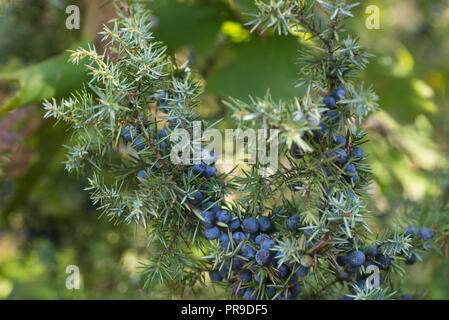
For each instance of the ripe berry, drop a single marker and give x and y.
(342, 260)
(250, 225)
(329, 102)
(356, 258)
(210, 172)
(411, 259)
(358, 154)
(215, 276)
(248, 252)
(234, 225)
(250, 294)
(371, 251)
(224, 240)
(271, 292)
(210, 206)
(212, 233)
(295, 151)
(128, 133)
(267, 243)
(264, 224)
(352, 196)
(412, 231)
(352, 173)
(425, 233)
(263, 257)
(199, 167)
(259, 278)
(224, 271)
(138, 144)
(209, 218)
(293, 222)
(238, 237)
(302, 271)
(197, 198)
(295, 290)
(333, 116)
(163, 133)
(328, 171)
(284, 296)
(224, 216)
(283, 271)
(239, 293)
(245, 276)
(340, 93)
(340, 140)
(383, 261)
(237, 263)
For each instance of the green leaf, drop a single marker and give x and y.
(54, 77)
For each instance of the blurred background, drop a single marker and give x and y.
(46, 219)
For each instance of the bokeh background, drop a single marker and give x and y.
(46, 219)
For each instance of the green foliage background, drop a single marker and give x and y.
(47, 221)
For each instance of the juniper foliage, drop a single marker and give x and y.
(315, 241)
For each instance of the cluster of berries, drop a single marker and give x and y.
(247, 269)
(340, 158)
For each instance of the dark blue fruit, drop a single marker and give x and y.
(358, 154)
(211, 206)
(197, 198)
(383, 261)
(210, 172)
(293, 222)
(295, 290)
(352, 173)
(271, 292)
(263, 257)
(340, 93)
(239, 293)
(329, 102)
(199, 167)
(411, 259)
(248, 252)
(237, 263)
(250, 225)
(425, 233)
(264, 224)
(138, 144)
(412, 231)
(406, 297)
(302, 271)
(356, 258)
(245, 276)
(352, 196)
(128, 133)
(340, 140)
(371, 251)
(224, 240)
(342, 260)
(283, 271)
(259, 278)
(224, 216)
(250, 294)
(234, 225)
(238, 237)
(215, 276)
(212, 233)
(295, 151)
(267, 243)
(209, 219)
